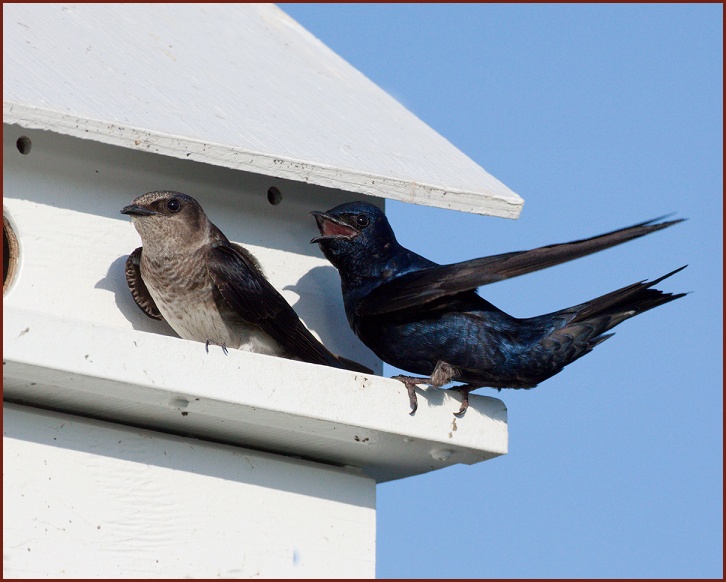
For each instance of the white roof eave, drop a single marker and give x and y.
(241, 86)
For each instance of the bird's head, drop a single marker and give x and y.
(354, 231)
(166, 218)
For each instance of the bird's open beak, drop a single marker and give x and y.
(331, 227)
(136, 210)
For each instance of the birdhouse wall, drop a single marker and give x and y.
(63, 197)
(193, 458)
(74, 340)
(89, 499)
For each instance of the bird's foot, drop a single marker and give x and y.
(222, 345)
(443, 374)
(410, 383)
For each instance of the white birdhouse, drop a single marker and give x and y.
(129, 452)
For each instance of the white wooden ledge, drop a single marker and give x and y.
(259, 402)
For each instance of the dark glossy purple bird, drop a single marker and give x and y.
(428, 319)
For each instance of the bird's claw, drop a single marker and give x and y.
(410, 384)
(412, 398)
(464, 401)
(462, 409)
(222, 345)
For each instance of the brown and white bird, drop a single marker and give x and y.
(209, 289)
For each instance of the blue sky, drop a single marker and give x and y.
(599, 116)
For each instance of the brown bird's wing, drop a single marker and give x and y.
(139, 291)
(241, 283)
(418, 288)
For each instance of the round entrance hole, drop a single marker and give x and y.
(11, 251)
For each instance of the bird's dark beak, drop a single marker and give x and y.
(331, 227)
(136, 210)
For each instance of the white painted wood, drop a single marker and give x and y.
(221, 102)
(87, 499)
(65, 199)
(74, 339)
(236, 85)
(250, 400)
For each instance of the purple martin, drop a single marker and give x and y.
(209, 289)
(429, 319)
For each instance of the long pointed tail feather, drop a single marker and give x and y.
(638, 297)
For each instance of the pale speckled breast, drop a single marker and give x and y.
(185, 296)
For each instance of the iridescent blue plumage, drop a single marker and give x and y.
(428, 319)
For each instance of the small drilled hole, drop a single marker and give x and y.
(24, 144)
(10, 254)
(274, 196)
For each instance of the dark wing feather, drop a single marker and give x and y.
(421, 287)
(242, 284)
(138, 288)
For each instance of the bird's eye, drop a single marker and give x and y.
(362, 220)
(173, 205)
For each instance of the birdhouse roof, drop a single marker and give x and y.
(237, 85)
